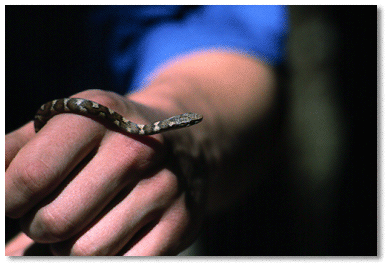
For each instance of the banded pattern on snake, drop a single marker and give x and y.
(94, 110)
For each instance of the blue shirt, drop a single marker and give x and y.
(138, 39)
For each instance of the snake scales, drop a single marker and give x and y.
(94, 110)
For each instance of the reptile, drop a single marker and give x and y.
(94, 110)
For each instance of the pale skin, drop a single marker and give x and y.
(87, 189)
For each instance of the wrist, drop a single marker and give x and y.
(185, 147)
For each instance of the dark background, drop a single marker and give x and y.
(47, 57)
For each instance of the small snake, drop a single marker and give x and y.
(92, 109)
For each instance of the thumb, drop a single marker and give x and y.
(15, 140)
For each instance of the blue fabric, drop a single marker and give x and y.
(141, 38)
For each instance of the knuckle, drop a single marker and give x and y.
(105, 98)
(168, 183)
(169, 180)
(51, 227)
(168, 187)
(33, 177)
(85, 250)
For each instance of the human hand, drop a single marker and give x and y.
(91, 190)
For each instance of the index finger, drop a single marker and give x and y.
(15, 140)
(44, 162)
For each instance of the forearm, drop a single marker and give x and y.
(231, 91)
(211, 83)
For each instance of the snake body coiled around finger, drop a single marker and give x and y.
(94, 110)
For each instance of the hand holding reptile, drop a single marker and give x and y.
(88, 190)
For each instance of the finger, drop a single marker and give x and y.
(15, 140)
(22, 245)
(18, 245)
(169, 236)
(125, 220)
(43, 163)
(119, 162)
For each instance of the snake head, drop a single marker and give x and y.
(188, 119)
(183, 120)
